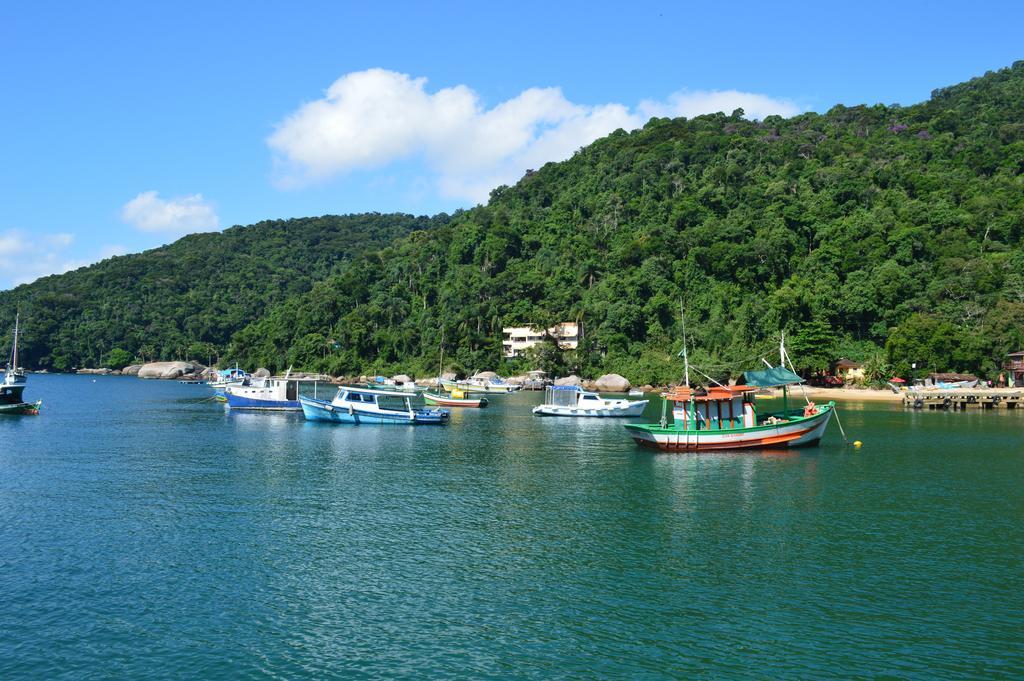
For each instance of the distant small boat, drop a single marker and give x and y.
(265, 394)
(956, 385)
(456, 398)
(370, 406)
(571, 400)
(496, 385)
(382, 383)
(636, 392)
(13, 385)
(225, 378)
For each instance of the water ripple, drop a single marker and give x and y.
(146, 533)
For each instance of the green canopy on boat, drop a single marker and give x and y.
(771, 378)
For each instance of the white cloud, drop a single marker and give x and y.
(689, 104)
(25, 257)
(182, 215)
(368, 119)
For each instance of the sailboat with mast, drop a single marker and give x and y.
(720, 417)
(453, 395)
(12, 387)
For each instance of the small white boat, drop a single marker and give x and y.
(226, 378)
(264, 394)
(571, 400)
(636, 392)
(496, 385)
(393, 385)
(368, 405)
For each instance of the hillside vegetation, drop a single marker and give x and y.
(884, 233)
(188, 298)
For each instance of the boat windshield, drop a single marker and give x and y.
(393, 403)
(562, 395)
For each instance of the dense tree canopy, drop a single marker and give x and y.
(185, 300)
(882, 226)
(884, 233)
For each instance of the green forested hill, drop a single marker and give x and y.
(885, 233)
(187, 298)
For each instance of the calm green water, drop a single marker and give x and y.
(148, 534)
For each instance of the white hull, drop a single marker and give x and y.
(610, 411)
(471, 387)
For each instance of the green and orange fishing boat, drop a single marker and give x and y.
(720, 417)
(726, 417)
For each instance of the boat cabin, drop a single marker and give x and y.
(229, 375)
(277, 389)
(716, 408)
(382, 399)
(571, 396)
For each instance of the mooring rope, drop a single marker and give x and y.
(840, 424)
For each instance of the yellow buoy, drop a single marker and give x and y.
(857, 443)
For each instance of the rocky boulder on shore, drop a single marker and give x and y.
(569, 380)
(131, 370)
(262, 373)
(612, 383)
(168, 370)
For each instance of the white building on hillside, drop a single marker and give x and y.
(518, 339)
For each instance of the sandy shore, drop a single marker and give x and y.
(854, 394)
(868, 394)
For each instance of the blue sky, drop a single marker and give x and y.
(126, 125)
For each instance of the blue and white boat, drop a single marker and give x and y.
(226, 378)
(264, 394)
(368, 405)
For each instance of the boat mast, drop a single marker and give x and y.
(782, 361)
(440, 361)
(13, 366)
(686, 360)
(692, 405)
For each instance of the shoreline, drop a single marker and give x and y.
(870, 394)
(843, 394)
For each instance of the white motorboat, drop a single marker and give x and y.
(481, 384)
(571, 400)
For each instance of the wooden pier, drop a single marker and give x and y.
(959, 400)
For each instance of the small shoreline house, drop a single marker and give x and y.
(1014, 366)
(848, 371)
(516, 340)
